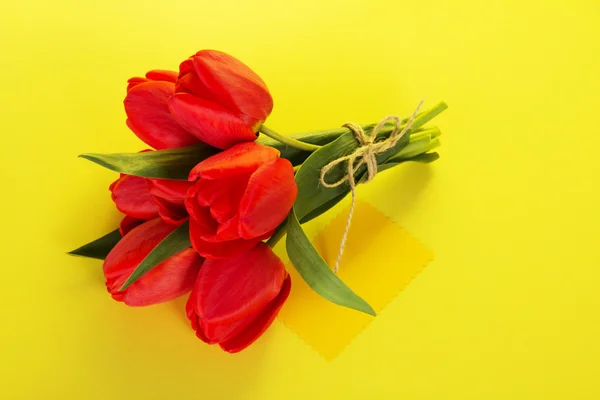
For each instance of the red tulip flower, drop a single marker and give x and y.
(168, 280)
(240, 196)
(142, 199)
(169, 195)
(236, 299)
(219, 99)
(215, 99)
(132, 197)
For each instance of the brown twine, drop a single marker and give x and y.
(366, 153)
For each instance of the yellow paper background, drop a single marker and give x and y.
(508, 308)
(379, 260)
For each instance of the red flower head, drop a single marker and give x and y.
(240, 197)
(168, 280)
(236, 299)
(142, 199)
(219, 99)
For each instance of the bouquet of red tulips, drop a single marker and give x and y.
(203, 210)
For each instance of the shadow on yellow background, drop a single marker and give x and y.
(507, 310)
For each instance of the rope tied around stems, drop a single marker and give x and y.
(365, 154)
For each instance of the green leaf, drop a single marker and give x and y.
(165, 164)
(176, 242)
(314, 270)
(98, 248)
(177, 163)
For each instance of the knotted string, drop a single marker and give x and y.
(366, 153)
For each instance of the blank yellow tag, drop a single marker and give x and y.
(379, 260)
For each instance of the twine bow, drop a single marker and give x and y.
(366, 154)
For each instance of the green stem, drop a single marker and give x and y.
(431, 133)
(428, 115)
(421, 119)
(277, 235)
(288, 140)
(415, 148)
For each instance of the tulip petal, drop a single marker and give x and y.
(233, 288)
(154, 75)
(128, 223)
(236, 336)
(131, 196)
(223, 196)
(214, 248)
(187, 81)
(227, 81)
(172, 213)
(270, 195)
(193, 317)
(168, 280)
(210, 205)
(249, 335)
(189, 309)
(186, 67)
(243, 158)
(229, 230)
(209, 122)
(132, 82)
(215, 333)
(117, 266)
(225, 205)
(204, 224)
(162, 75)
(174, 191)
(204, 191)
(149, 118)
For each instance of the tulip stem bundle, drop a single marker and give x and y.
(203, 210)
